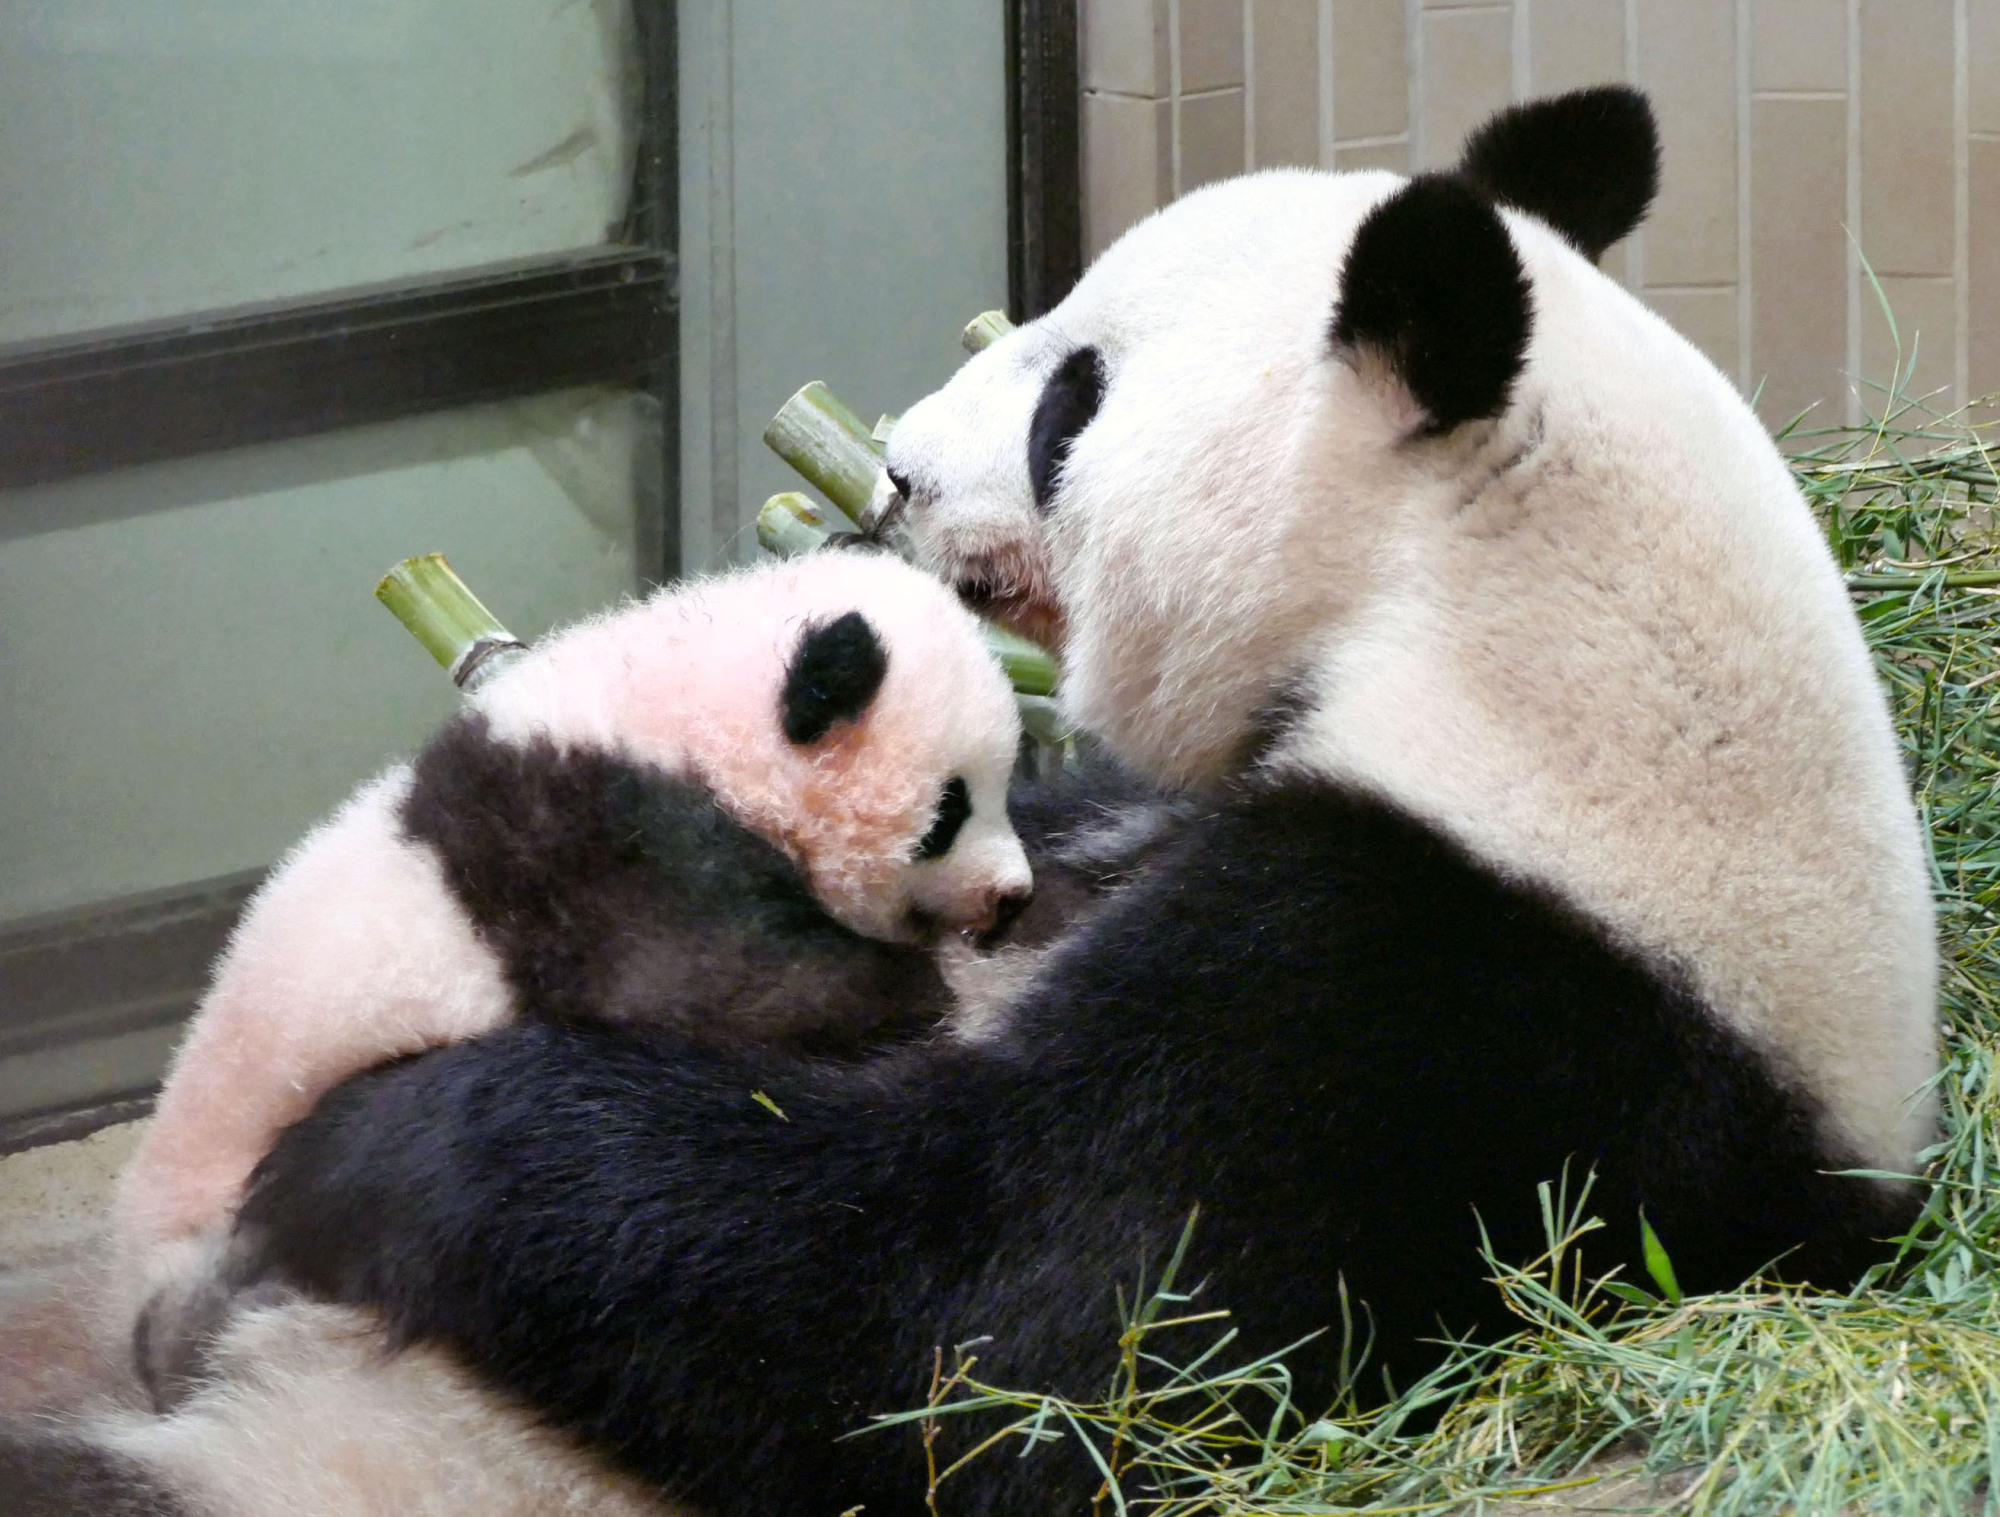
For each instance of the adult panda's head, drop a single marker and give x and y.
(1379, 481)
(1182, 473)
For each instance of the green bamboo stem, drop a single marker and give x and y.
(817, 435)
(1032, 670)
(791, 524)
(1042, 721)
(448, 619)
(985, 329)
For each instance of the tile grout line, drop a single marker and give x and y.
(1413, 60)
(1961, 170)
(1249, 85)
(1635, 247)
(724, 510)
(1326, 44)
(1853, 212)
(1174, 94)
(1746, 290)
(1520, 83)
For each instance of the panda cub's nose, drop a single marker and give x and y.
(1007, 909)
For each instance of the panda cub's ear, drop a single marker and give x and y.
(1432, 286)
(1587, 163)
(833, 675)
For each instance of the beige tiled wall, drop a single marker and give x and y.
(1788, 125)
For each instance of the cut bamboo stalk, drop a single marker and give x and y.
(791, 524)
(985, 329)
(817, 435)
(448, 619)
(884, 425)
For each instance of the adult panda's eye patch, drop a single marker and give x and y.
(1068, 401)
(953, 812)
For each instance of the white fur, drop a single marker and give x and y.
(1626, 668)
(310, 1415)
(357, 951)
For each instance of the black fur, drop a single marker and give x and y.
(1315, 1017)
(44, 1473)
(1068, 401)
(835, 671)
(610, 889)
(1087, 834)
(1587, 163)
(954, 810)
(1432, 284)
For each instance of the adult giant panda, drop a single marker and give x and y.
(1553, 819)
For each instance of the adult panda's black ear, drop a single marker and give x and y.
(834, 673)
(1432, 286)
(1587, 163)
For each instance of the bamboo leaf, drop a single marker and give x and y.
(1658, 1265)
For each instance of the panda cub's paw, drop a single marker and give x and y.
(194, 1296)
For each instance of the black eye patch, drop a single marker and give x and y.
(953, 812)
(1069, 400)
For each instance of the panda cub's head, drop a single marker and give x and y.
(842, 705)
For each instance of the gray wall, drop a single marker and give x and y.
(843, 214)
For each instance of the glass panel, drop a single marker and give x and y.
(845, 227)
(170, 156)
(193, 666)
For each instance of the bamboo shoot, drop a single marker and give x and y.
(448, 619)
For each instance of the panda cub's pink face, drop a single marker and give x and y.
(903, 825)
(843, 705)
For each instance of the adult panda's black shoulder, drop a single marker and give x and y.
(1579, 840)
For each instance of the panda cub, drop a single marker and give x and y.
(748, 808)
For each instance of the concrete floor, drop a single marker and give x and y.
(59, 1346)
(53, 1199)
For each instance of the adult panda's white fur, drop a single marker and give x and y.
(1596, 638)
(306, 1414)
(1286, 445)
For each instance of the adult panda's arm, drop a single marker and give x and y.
(1352, 1043)
(662, 1247)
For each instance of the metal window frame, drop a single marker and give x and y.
(264, 374)
(1044, 155)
